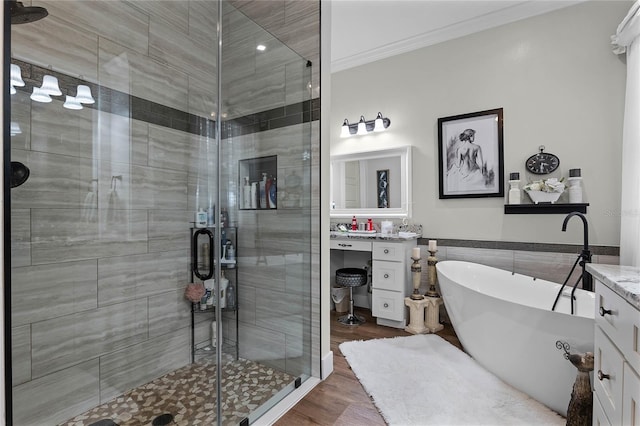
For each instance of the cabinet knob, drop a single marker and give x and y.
(344, 245)
(601, 375)
(386, 305)
(604, 311)
(386, 251)
(386, 275)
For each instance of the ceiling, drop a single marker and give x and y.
(364, 31)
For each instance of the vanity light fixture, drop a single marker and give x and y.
(363, 126)
(16, 76)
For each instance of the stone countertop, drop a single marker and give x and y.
(375, 236)
(623, 280)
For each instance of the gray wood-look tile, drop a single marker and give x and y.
(168, 148)
(262, 275)
(21, 116)
(60, 235)
(203, 17)
(67, 287)
(21, 354)
(139, 142)
(547, 266)
(154, 188)
(138, 75)
(62, 342)
(54, 43)
(169, 230)
(20, 237)
(54, 181)
(126, 278)
(501, 259)
(173, 13)
(180, 51)
(114, 142)
(169, 312)
(202, 97)
(115, 20)
(58, 130)
(139, 364)
(57, 397)
(259, 344)
(247, 300)
(281, 311)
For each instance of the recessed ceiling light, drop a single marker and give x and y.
(261, 47)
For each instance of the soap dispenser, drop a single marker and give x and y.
(514, 192)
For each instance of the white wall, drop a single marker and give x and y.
(560, 86)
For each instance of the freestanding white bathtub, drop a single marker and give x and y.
(505, 322)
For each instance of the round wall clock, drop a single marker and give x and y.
(542, 162)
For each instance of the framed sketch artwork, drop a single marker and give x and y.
(470, 152)
(383, 188)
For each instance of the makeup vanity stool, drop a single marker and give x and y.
(351, 277)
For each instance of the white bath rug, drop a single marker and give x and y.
(425, 380)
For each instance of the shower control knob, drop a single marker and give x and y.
(602, 376)
(386, 275)
(604, 311)
(386, 305)
(386, 251)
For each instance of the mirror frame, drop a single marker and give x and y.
(405, 183)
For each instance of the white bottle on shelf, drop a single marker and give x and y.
(515, 196)
(575, 186)
(263, 191)
(214, 333)
(201, 218)
(246, 194)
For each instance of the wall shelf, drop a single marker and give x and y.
(545, 208)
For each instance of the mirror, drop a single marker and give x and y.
(372, 183)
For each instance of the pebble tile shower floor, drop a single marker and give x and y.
(189, 395)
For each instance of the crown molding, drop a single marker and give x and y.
(460, 29)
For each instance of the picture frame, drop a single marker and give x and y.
(470, 155)
(382, 188)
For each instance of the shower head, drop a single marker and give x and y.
(21, 14)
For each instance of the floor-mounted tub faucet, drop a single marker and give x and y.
(583, 258)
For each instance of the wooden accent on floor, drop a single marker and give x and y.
(340, 399)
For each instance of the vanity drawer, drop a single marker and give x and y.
(608, 360)
(350, 245)
(631, 397)
(387, 304)
(388, 276)
(610, 309)
(389, 251)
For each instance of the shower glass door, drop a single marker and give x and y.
(265, 186)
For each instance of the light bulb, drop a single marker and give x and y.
(362, 126)
(72, 103)
(84, 95)
(50, 86)
(12, 89)
(345, 133)
(15, 128)
(379, 123)
(40, 95)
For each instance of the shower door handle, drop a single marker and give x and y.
(194, 254)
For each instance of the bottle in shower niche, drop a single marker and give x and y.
(267, 188)
(224, 285)
(273, 199)
(263, 192)
(231, 296)
(254, 195)
(246, 194)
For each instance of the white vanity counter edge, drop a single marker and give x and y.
(623, 280)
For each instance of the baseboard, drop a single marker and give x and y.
(326, 365)
(287, 403)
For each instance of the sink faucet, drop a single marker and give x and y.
(585, 256)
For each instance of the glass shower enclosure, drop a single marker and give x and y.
(163, 109)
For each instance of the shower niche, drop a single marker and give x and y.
(258, 183)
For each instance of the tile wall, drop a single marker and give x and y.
(97, 293)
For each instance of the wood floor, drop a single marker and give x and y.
(340, 399)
